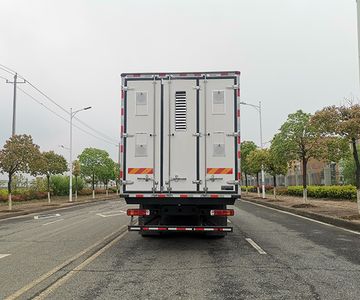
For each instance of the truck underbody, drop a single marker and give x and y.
(197, 215)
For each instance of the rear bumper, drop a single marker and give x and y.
(162, 228)
(174, 200)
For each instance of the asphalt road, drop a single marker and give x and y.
(86, 253)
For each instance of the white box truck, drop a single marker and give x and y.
(180, 150)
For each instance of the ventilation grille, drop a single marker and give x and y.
(180, 111)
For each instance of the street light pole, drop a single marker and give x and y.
(15, 82)
(262, 147)
(258, 108)
(72, 115)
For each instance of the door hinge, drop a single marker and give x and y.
(232, 87)
(234, 134)
(126, 182)
(197, 134)
(127, 135)
(233, 182)
(126, 88)
(196, 88)
(196, 181)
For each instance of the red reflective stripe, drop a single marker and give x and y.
(214, 196)
(162, 228)
(122, 94)
(238, 140)
(238, 113)
(199, 229)
(161, 195)
(121, 174)
(184, 196)
(122, 111)
(139, 196)
(239, 175)
(145, 228)
(239, 155)
(136, 75)
(224, 73)
(180, 228)
(238, 92)
(122, 129)
(121, 148)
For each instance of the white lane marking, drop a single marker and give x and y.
(256, 246)
(48, 216)
(111, 213)
(77, 269)
(53, 222)
(302, 217)
(4, 255)
(30, 285)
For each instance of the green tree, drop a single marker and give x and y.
(275, 164)
(342, 121)
(91, 161)
(18, 155)
(117, 176)
(76, 172)
(246, 148)
(51, 164)
(299, 139)
(107, 172)
(255, 160)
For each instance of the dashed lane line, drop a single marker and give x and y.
(111, 213)
(256, 246)
(4, 255)
(302, 217)
(53, 222)
(47, 216)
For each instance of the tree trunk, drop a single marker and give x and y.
(9, 191)
(93, 186)
(274, 186)
(246, 184)
(257, 184)
(357, 172)
(76, 187)
(304, 174)
(107, 190)
(48, 188)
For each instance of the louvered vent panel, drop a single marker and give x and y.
(180, 111)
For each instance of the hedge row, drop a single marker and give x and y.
(25, 195)
(333, 192)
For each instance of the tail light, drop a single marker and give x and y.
(138, 212)
(222, 212)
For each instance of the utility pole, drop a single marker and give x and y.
(15, 82)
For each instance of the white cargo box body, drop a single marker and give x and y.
(180, 135)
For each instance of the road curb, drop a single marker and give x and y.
(318, 217)
(9, 215)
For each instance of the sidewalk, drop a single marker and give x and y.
(340, 213)
(32, 206)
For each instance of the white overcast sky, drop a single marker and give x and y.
(293, 54)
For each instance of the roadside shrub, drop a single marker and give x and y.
(335, 192)
(59, 185)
